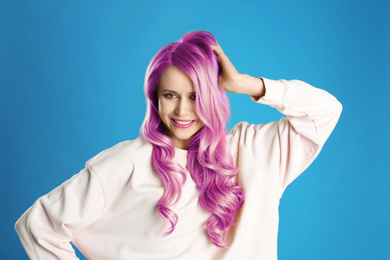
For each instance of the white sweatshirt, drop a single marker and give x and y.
(108, 209)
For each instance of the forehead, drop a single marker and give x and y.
(176, 80)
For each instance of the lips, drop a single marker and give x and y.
(182, 123)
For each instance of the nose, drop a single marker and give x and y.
(184, 107)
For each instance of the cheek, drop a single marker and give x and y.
(163, 108)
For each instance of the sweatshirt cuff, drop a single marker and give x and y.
(274, 93)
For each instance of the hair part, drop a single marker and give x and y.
(209, 161)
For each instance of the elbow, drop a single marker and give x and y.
(26, 238)
(337, 108)
(20, 225)
(326, 125)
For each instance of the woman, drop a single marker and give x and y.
(187, 189)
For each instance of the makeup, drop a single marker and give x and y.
(182, 123)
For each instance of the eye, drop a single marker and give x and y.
(193, 97)
(169, 95)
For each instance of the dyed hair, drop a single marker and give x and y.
(209, 161)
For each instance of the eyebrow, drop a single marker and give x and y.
(172, 91)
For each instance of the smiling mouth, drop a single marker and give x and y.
(182, 122)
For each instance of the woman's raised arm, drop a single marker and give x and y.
(231, 80)
(289, 146)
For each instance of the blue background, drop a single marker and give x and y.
(71, 77)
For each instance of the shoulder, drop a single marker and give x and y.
(245, 132)
(122, 155)
(117, 165)
(254, 141)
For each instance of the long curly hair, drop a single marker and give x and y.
(209, 160)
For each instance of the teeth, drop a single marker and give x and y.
(182, 123)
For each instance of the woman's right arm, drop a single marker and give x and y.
(46, 229)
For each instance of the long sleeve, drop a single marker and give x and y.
(46, 228)
(289, 146)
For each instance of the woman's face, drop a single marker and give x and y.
(176, 99)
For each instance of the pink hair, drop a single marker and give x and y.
(209, 161)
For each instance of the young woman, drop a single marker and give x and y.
(186, 188)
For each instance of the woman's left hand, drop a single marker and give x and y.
(231, 80)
